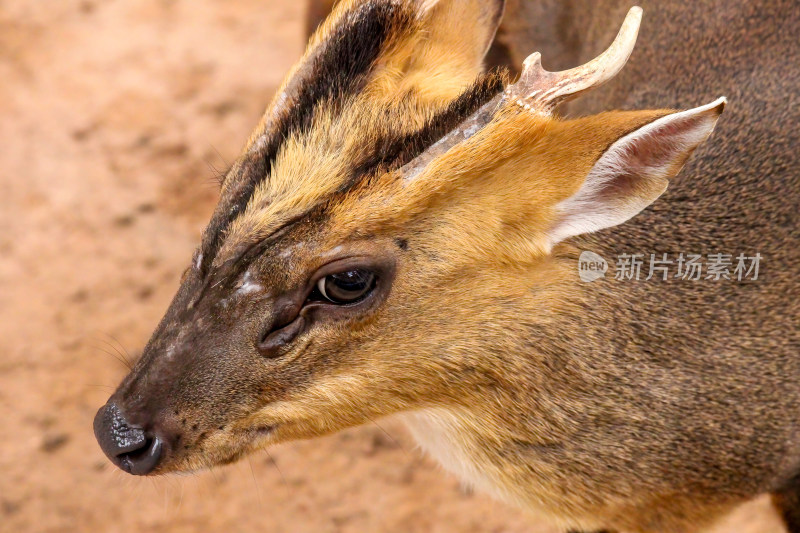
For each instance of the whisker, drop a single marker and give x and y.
(275, 463)
(128, 356)
(119, 359)
(219, 175)
(214, 475)
(216, 175)
(255, 482)
(95, 386)
(116, 349)
(394, 440)
(181, 484)
(166, 500)
(219, 154)
(112, 347)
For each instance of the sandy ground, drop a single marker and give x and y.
(113, 116)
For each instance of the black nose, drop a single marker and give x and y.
(128, 447)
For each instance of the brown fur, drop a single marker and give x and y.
(736, 345)
(641, 407)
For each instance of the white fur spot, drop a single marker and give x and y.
(290, 250)
(440, 433)
(248, 285)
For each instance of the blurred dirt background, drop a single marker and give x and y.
(114, 115)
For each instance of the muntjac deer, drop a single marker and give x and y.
(402, 235)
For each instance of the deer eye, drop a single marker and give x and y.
(346, 287)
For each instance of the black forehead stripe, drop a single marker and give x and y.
(343, 64)
(396, 149)
(231, 205)
(486, 87)
(339, 68)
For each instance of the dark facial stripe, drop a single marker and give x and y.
(338, 68)
(395, 150)
(486, 87)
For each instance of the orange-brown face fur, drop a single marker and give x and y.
(225, 398)
(469, 330)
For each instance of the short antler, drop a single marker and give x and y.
(542, 91)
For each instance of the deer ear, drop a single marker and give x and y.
(634, 171)
(459, 32)
(453, 40)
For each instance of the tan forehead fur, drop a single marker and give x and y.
(417, 74)
(310, 168)
(493, 193)
(492, 196)
(437, 58)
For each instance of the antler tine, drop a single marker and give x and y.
(542, 91)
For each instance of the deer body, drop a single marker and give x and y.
(401, 235)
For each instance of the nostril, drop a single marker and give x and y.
(128, 446)
(142, 460)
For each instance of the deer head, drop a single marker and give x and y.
(391, 227)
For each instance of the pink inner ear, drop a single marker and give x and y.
(634, 171)
(661, 145)
(656, 150)
(619, 185)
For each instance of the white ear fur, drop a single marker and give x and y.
(634, 171)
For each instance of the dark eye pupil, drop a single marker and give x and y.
(347, 287)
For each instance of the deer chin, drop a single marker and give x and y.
(254, 437)
(260, 437)
(223, 450)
